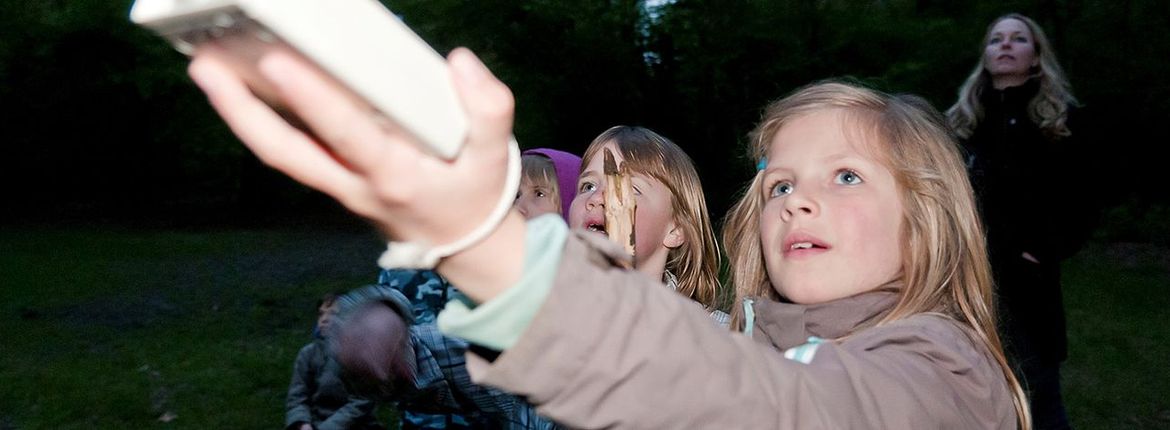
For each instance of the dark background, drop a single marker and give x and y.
(102, 126)
(153, 274)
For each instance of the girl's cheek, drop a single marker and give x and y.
(771, 208)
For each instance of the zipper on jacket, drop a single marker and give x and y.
(749, 316)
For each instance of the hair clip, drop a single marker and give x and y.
(762, 164)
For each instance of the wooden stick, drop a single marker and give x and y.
(620, 206)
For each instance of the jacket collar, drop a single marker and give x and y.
(1020, 94)
(786, 325)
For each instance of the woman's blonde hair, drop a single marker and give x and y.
(696, 262)
(944, 258)
(1048, 109)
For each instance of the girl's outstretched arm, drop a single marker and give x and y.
(374, 168)
(611, 348)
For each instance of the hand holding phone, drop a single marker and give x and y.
(376, 171)
(382, 170)
(358, 43)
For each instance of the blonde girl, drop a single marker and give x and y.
(943, 269)
(675, 241)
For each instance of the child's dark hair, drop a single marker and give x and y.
(328, 299)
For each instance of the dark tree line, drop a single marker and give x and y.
(101, 122)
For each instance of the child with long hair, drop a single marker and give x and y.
(674, 239)
(873, 306)
(926, 257)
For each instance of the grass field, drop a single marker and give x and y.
(115, 329)
(1118, 372)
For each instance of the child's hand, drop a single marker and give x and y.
(374, 168)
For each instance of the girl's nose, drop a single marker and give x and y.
(799, 204)
(596, 197)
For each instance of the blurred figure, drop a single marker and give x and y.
(395, 322)
(317, 397)
(1014, 117)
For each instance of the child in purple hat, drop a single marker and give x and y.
(548, 182)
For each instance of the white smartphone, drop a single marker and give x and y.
(360, 43)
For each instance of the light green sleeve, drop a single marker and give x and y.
(498, 323)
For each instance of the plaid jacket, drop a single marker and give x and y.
(442, 395)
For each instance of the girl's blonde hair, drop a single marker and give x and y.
(1048, 109)
(696, 262)
(944, 260)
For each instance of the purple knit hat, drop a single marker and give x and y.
(568, 167)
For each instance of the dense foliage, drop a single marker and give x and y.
(102, 123)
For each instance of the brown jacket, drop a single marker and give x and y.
(610, 348)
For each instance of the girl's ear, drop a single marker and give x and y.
(674, 237)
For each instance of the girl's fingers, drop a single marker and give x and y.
(373, 168)
(268, 135)
(488, 101)
(341, 121)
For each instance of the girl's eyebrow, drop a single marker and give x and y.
(1013, 33)
(857, 160)
(828, 159)
(646, 181)
(842, 156)
(771, 170)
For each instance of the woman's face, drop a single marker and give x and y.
(654, 228)
(1010, 53)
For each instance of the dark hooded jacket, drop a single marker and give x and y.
(1038, 195)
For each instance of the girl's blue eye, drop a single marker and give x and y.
(848, 177)
(586, 187)
(781, 189)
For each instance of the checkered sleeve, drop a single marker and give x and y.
(442, 381)
(442, 384)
